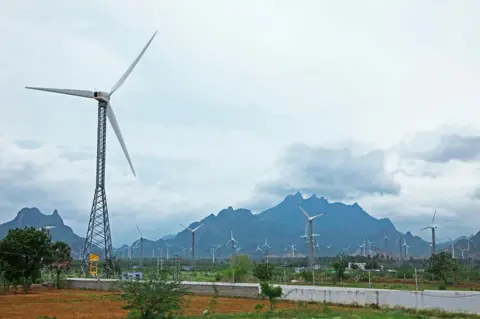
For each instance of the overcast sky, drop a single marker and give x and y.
(239, 103)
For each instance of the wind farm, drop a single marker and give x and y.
(270, 153)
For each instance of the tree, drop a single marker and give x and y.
(263, 271)
(61, 259)
(156, 297)
(372, 264)
(443, 266)
(240, 268)
(23, 253)
(340, 266)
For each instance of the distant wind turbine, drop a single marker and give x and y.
(266, 248)
(213, 249)
(193, 241)
(432, 227)
(452, 246)
(310, 219)
(386, 239)
(406, 247)
(292, 250)
(234, 244)
(463, 251)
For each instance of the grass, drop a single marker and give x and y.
(325, 311)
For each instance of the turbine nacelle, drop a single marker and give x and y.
(101, 96)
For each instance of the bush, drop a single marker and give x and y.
(306, 275)
(263, 271)
(153, 298)
(272, 292)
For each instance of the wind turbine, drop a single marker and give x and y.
(386, 239)
(234, 243)
(370, 246)
(452, 246)
(293, 249)
(317, 245)
(346, 250)
(98, 232)
(432, 227)
(463, 251)
(406, 247)
(160, 250)
(133, 247)
(310, 220)
(213, 249)
(258, 248)
(265, 246)
(362, 247)
(328, 247)
(141, 243)
(399, 243)
(166, 246)
(193, 242)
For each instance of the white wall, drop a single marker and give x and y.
(452, 301)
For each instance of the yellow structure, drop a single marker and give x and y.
(94, 258)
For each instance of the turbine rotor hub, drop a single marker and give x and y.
(101, 96)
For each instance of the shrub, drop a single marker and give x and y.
(263, 271)
(152, 298)
(272, 292)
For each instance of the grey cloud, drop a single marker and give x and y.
(448, 148)
(334, 173)
(415, 168)
(20, 188)
(77, 154)
(27, 144)
(475, 194)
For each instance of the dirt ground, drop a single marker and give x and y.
(70, 304)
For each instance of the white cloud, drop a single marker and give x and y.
(223, 90)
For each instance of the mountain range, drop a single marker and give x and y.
(344, 226)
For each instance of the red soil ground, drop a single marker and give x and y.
(69, 304)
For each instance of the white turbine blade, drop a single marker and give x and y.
(433, 218)
(81, 93)
(318, 215)
(197, 228)
(301, 208)
(425, 228)
(116, 128)
(186, 227)
(130, 69)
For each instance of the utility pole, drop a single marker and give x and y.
(141, 246)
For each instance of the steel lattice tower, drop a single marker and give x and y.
(98, 232)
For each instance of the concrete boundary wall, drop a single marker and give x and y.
(241, 290)
(451, 301)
